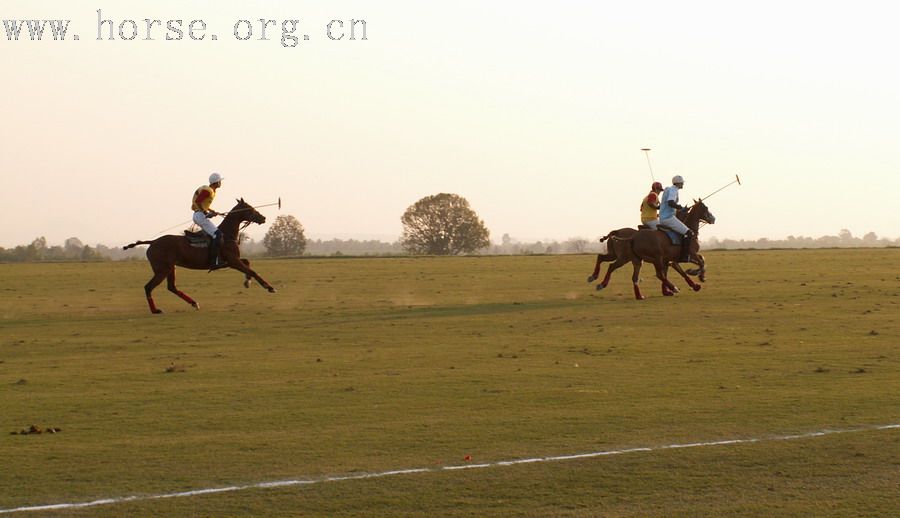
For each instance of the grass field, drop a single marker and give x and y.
(370, 365)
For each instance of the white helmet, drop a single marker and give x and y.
(215, 178)
(677, 179)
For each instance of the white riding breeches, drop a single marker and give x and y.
(651, 224)
(203, 222)
(675, 224)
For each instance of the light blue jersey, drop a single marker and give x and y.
(665, 211)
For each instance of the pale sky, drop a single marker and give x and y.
(534, 111)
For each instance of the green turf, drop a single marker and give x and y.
(367, 365)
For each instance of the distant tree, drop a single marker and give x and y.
(845, 236)
(443, 224)
(72, 248)
(576, 245)
(37, 250)
(88, 254)
(285, 237)
(73, 244)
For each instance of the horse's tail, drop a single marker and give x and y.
(136, 243)
(607, 236)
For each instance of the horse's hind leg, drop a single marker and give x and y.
(600, 258)
(611, 268)
(148, 290)
(171, 283)
(248, 279)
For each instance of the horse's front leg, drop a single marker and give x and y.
(701, 262)
(247, 277)
(636, 278)
(694, 286)
(666, 291)
(239, 265)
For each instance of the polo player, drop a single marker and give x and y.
(200, 204)
(668, 217)
(650, 207)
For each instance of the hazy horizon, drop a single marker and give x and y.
(591, 242)
(535, 113)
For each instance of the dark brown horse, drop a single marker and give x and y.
(167, 252)
(621, 250)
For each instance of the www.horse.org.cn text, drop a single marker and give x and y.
(289, 32)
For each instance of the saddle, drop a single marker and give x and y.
(199, 239)
(674, 237)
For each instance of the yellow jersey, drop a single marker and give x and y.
(203, 198)
(650, 207)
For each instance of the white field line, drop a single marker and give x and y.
(557, 458)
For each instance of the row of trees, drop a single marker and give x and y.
(442, 224)
(72, 250)
(844, 239)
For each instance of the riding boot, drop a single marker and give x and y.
(686, 241)
(214, 247)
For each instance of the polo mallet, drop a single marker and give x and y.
(646, 151)
(272, 204)
(737, 180)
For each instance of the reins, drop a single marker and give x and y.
(238, 227)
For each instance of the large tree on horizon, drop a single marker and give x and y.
(443, 224)
(285, 237)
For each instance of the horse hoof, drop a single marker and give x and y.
(697, 287)
(271, 290)
(592, 278)
(640, 298)
(156, 311)
(668, 293)
(196, 306)
(600, 287)
(247, 283)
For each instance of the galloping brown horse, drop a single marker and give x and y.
(622, 249)
(167, 252)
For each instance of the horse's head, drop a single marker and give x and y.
(702, 212)
(248, 213)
